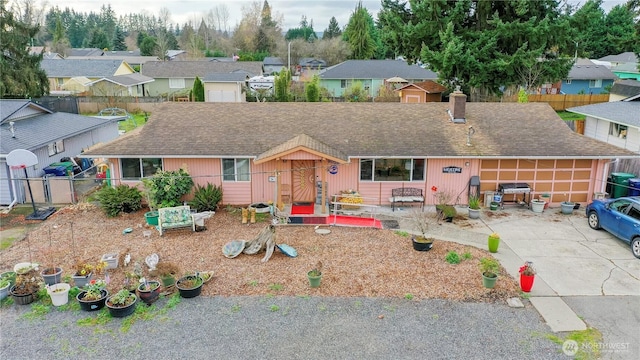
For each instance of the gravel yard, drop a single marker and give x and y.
(356, 262)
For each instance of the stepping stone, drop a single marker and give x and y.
(515, 303)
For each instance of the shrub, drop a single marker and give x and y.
(452, 257)
(206, 198)
(122, 198)
(166, 188)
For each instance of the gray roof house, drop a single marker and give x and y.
(120, 85)
(371, 73)
(625, 90)
(273, 65)
(622, 58)
(585, 77)
(251, 148)
(49, 135)
(616, 123)
(60, 72)
(177, 77)
(225, 87)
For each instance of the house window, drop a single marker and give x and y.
(236, 170)
(176, 83)
(568, 81)
(139, 168)
(56, 147)
(595, 83)
(345, 84)
(618, 130)
(392, 169)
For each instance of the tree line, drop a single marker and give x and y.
(478, 45)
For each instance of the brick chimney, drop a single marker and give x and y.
(457, 103)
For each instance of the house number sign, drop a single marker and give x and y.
(452, 170)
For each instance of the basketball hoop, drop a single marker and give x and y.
(16, 167)
(20, 159)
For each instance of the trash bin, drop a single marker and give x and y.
(634, 187)
(620, 185)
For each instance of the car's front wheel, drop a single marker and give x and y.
(635, 246)
(594, 220)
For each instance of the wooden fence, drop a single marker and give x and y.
(561, 102)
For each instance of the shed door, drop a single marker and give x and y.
(303, 179)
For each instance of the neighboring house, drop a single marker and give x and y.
(253, 149)
(308, 67)
(60, 72)
(273, 65)
(120, 85)
(616, 123)
(585, 77)
(426, 91)
(51, 136)
(177, 55)
(225, 87)
(85, 52)
(133, 60)
(622, 58)
(371, 73)
(177, 77)
(625, 90)
(627, 71)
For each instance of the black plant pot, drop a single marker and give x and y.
(149, 296)
(122, 311)
(421, 246)
(92, 305)
(22, 299)
(186, 292)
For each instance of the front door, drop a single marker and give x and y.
(303, 178)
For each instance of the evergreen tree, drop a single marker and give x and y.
(148, 46)
(312, 89)
(198, 90)
(266, 35)
(590, 32)
(99, 39)
(282, 86)
(20, 72)
(620, 30)
(482, 45)
(118, 40)
(333, 30)
(60, 42)
(358, 34)
(304, 32)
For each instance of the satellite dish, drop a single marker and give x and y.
(21, 158)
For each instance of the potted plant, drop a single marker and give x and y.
(4, 287)
(493, 242)
(527, 275)
(421, 221)
(474, 207)
(10, 276)
(93, 295)
(59, 293)
(148, 291)
(566, 207)
(537, 205)
(189, 286)
(122, 303)
(28, 283)
(166, 271)
(315, 275)
(489, 268)
(83, 272)
(443, 198)
(448, 213)
(51, 274)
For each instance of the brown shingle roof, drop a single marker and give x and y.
(531, 130)
(428, 86)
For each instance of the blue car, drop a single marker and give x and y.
(620, 217)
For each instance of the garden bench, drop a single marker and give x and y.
(406, 196)
(175, 217)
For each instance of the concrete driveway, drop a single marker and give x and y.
(585, 278)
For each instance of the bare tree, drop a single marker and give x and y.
(221, 13)
(164, 17)
(162, 45)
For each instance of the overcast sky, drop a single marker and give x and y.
(320, 11)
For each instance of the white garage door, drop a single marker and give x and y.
(221, 96)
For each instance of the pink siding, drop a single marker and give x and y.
(456, 184)
(301, 155)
